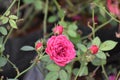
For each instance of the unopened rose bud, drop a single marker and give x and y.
(58, 30)
(94, 49)
(38, 45)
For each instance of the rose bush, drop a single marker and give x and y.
(60, 49)
(65, 53)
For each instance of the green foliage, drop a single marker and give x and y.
(98, 62)
(108, 45)
(38, 4)
(101, 55)
(3, 30)
(63, 75)
(7, 13)
(63, 23)
(13, 24)
(73, 26)
(82, 71)
(96, 41)
(3, 61)
(52, 19)
(45, 58)
(75, 71)
(71, 33)
(53, 67)
(61, 13)
(13, 17)
(82, 47)
(4, 19)
(28, 1)
(68, 68)
(52, 76)
(27, 48)
(1, 40)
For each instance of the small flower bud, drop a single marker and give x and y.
(58, 30)
(94, 49)
(38, 45)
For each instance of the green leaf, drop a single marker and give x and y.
(98, 62)
(62, 23)
(83, 70)
(108, 45)
(53, 67)
(38, 5)
(73, 26)
(82, 47)
(3, 61)
(96, 41)
(27, 48)
(61, 13)
(45, 58)
(62, 75)
(1, 40)
(52, 19)
(52, 76)
(71, 33)
(13, 17)
(75, 71)
(4, 20)
(68, 68)
(101, 55)
(3, 30)
(13, 23)
(76, 39)
(28, 1)
(7, 13)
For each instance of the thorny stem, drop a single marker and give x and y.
(104, 72)
(45, 20)
(7, 36)
(10, 7)
(17, 15)
(93, 28)
(33, 64)
(103, 8)
(99, 27)
(93, 73)
(56, 3)
(26, 70)
(14, 66)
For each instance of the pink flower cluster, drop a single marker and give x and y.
(60, 50)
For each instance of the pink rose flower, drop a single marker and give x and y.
(113, 6)
(60, 50)
(58, 30)
(38, 45)
(94, 49)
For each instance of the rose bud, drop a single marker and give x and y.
(94, 49)
(58, 30)
(38, 45)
